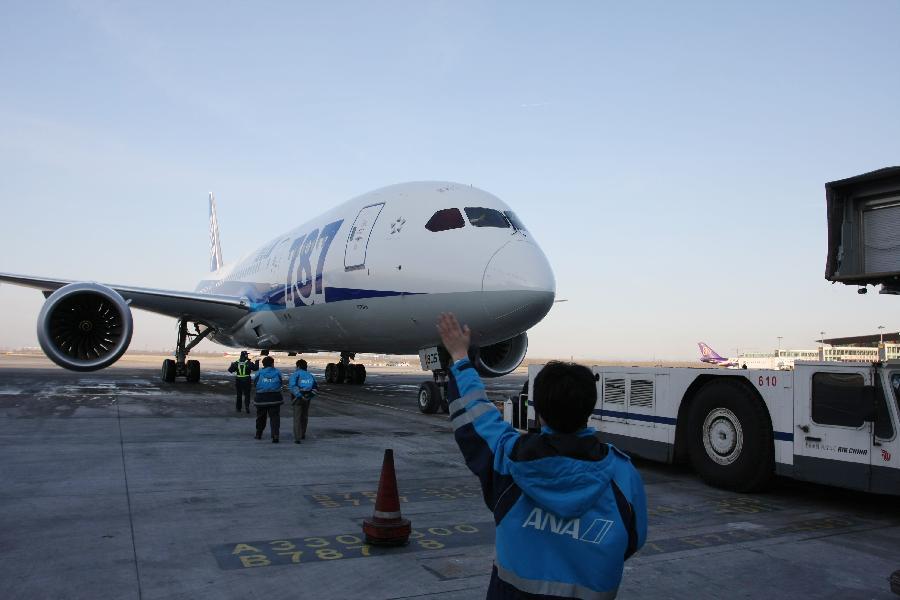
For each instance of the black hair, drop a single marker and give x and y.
(301, 364)
(565, 395)
(268, 361)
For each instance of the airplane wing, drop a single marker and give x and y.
(217, 311)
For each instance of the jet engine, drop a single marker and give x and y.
(500, 358)
(84, 326)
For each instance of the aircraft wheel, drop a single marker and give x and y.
(429, 397)
(730, 439)
(192, 368)
(359, 374)
(340, 373)
(168, 370)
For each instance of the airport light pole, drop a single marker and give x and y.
(881, 335)
(779, 341)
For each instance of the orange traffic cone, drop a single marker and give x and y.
(387, 527)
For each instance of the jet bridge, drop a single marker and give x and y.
(864, 230)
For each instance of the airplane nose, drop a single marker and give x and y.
(519, 265)
(518, 282)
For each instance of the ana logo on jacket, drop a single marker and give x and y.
(545, 521)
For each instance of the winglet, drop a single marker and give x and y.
(215, 246)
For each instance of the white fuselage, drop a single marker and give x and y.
(368, 276)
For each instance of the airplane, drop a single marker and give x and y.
(370, 275)
(708, 355)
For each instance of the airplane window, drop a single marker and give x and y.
(486, 217)
(516, 223)
(447, 218)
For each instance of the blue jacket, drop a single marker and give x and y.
(569, 509)
(301, 381)
(268, 380)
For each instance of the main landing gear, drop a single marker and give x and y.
(189, 369)
(345, 371)
(433, 394)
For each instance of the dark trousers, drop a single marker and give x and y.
(274, 414)
(242, 386)
(301, 416)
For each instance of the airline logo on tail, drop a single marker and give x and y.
(708, 355)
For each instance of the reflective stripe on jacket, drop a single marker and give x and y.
(243, 368)
(569, 509)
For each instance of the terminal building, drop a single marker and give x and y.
(862, 348)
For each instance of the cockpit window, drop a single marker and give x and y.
(444, 219)
(516, 223)
(486, 217)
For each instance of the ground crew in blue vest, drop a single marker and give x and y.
(268, 398)
(242, 369)
(569, 509)
(303, 387)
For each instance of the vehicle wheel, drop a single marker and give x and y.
(730, 438)
(359, 374)
(329, 373)
(168, 370)
(192, 368)
(340, 373)
(429, 397)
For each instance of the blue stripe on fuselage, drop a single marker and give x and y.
(333, 294)
(267, 297)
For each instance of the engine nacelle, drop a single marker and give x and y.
(84, 326)
(500, 358)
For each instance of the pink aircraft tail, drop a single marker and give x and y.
(708, 353)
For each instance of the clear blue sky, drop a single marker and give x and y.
(670, 157)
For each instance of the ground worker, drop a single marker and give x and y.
(268, 398)
(569, 508)
(242, 369)
(303, 387)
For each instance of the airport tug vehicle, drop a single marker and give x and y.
(824, 422)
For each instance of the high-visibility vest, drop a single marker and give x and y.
(243, 369)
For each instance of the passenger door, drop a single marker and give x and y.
(358, 240)
(834, 409)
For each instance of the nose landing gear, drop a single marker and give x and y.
(433, 394)
(345, 371)
(180, 367)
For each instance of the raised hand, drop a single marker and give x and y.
(456, 339)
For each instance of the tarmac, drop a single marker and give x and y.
(115, 485)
